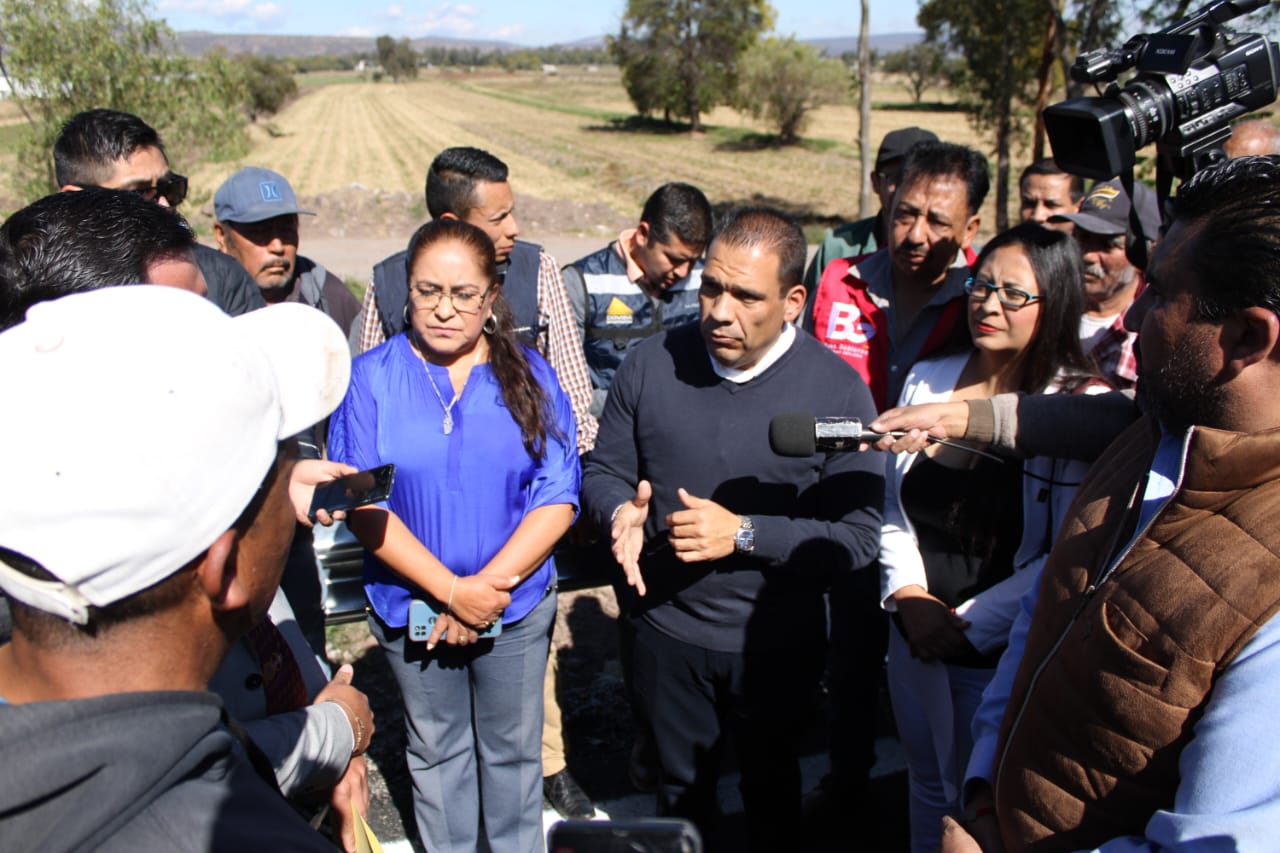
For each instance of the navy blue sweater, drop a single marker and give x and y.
(672, 420)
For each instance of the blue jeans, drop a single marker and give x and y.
(474, 722)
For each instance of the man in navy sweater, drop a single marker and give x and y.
(727, 546)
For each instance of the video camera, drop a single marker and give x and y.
(1194, 77)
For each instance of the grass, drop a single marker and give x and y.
(316, 79)
(547, 104)
(12, 136)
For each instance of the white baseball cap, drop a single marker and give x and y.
(139, 423)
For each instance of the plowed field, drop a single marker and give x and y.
(564, 138)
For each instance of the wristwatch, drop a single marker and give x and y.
(744, 541)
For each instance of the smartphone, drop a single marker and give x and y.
(353, 490)
(422, 618)
(652, 835)
(420, 621)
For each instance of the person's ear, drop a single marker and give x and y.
(642, 234)
(218, 576)
(69, 188)
(1249, 336)
(970, 231)
(451, 215)
(795, 299)
(220, 234)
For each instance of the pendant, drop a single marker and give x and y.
(447, 426)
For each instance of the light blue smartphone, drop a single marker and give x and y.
(422, 618)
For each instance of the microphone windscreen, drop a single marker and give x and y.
(792, 434)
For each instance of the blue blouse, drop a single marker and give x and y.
(463, 494)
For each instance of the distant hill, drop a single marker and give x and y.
(295, 46)
(196, 42)
(881, 44)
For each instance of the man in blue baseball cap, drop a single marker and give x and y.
(256, 222)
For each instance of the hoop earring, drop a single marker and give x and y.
(404, 314)
(490, 325)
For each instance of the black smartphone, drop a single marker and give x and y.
(651, 835)
(353, 490)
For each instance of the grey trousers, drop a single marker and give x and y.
(474, 721)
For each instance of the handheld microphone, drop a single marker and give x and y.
(801, 434)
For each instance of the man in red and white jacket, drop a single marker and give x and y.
(884, 311)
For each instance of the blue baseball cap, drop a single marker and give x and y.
(254, 194)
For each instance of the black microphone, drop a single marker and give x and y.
(801, 434)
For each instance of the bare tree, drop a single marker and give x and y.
(864, 112)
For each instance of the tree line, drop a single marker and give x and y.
(1006, 60)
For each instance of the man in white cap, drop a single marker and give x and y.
(256, 222)
(136, 560)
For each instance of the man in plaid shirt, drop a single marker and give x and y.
(1111, 283)
(471, 185)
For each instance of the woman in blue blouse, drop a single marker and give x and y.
(486, 483)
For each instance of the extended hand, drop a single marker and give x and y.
(307, 474)
(936, 420)
(352, 789)
(353, 702)
(704, 530)
(932, 630)
(627, 534)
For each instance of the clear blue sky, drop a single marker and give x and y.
(528, 22)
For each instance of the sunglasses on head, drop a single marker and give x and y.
(172, 188)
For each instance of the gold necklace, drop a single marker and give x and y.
(446, 426)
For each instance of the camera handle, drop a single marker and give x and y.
(1179, 162)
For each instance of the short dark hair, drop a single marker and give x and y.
(1049, 166)
(1235, 206)
(680, 210)
(771, 230)
(945, 158)
(452, 179)
(92, 141)
(76, 241)
(1056, 263)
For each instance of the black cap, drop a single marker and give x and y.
(897, 143)
(1105, 210)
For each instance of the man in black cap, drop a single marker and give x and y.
(1111, 282)
(866, 235)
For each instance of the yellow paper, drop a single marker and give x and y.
(366, 841)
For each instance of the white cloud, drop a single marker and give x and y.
(227, 10)
(510, 31)
(452, 18)
(394, 12)
(267, 12)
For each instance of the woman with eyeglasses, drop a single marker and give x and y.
(964, 533)
(487, 479)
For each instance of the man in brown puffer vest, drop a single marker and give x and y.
(1140, 715)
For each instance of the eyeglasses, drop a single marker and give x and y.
(1010, 297)
(465, 301)
(172, 188)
